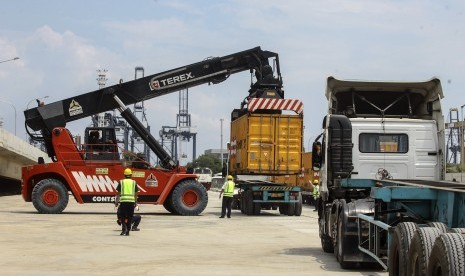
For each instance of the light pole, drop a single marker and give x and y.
(38, 101)
(14, 110)
(11, 59)
(461, 143)
(221, 150)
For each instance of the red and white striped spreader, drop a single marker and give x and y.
(277, 104)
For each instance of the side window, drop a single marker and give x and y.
(381, 142)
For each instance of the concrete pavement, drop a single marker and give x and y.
(85, 240)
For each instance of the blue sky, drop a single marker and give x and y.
(61, 44)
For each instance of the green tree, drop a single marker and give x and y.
(206, 160)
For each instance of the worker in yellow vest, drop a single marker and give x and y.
(227, 191)
(127, 197)
(316, 193)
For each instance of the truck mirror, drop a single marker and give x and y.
(316, 156)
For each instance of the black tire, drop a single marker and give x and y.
(327, 243)
(339, 248)
(290, 209)
(243, 203)
(189, 198)
(399, 248)
(50, 196)
(283, 209)
(168, 204)
(249, 202)
(257, 207)
(447, 256)
(298, 206)
(420, 250)
(439, 225)
(235, 203)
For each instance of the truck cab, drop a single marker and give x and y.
(373, 131)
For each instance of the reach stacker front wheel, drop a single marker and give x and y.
(50, 196)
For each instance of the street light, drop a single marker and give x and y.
(14, 110)
(461, 143)
(15, 58)
(38, 101)
(221, 150)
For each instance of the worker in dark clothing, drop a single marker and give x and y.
(134, 222)
(228, 191)
(127, 197)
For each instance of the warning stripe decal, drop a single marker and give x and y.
(276, 188)
(276, 104)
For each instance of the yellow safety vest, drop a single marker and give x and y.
(229, 189)
(128, 190)
(316, 191)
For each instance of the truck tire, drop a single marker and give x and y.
(235, 203)
(340, 248)
(189, 198)
(50, 196)
(439, 225)
(298, 206)
(257, 209)
(399, 248)
(420, 250)
(457, 230)
(243, 203)
(283, 208)
(291, 209)
(447, 256)
(327, 243)
(249, 202)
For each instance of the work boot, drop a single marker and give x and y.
(135, 229)
(124, 229)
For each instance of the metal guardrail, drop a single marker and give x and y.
(371, 244)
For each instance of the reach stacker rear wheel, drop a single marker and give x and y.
(189, 198)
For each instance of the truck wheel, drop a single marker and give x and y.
(283, 209)
(235, 203)
(399, 248)
(290, 209)
(257, 209)
(327, 243)
(243, 203)
(298, 206)
(447, 256)
(457, 230)
(439, 225)
(50, 196)
(420, 249)
(249, 204)
(189, 198)
(339, 248)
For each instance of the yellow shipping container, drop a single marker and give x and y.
(266, 144)
(304, 179)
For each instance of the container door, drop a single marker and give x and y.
(260, 141)
(288, 147)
